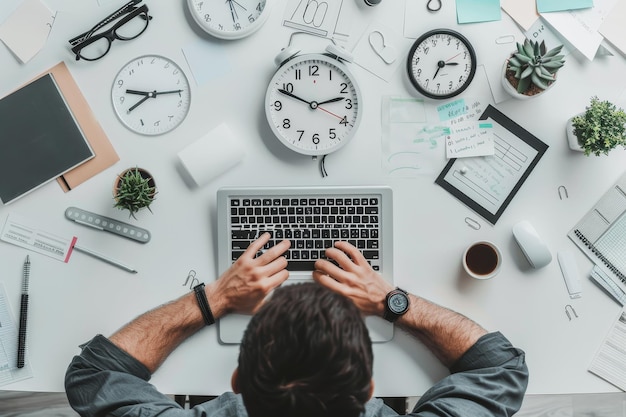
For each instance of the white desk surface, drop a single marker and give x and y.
(72, 302)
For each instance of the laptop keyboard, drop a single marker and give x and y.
(312, 224)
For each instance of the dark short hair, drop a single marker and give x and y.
(306, 352)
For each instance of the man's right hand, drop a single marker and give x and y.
(243, 287)
(353, 278)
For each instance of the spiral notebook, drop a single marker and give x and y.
(601, 233)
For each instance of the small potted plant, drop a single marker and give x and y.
(532, 69)
(599, 129)
(133, 190)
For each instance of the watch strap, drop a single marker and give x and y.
(203, 303)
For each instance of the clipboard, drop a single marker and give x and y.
(487, 184)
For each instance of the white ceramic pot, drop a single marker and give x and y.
(513, 92)
(572, 140)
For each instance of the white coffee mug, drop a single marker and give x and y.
(482, 260)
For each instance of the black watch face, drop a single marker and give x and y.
(398, 303)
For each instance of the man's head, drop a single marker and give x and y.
(307, 352)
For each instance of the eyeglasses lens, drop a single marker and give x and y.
(133, 28)
(130, 29)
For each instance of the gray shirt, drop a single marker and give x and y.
(490, 379)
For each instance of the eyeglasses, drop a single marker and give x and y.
(134, 22)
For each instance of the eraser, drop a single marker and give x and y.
(211, 155)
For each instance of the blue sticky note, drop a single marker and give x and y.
(452, 110)
(546, 6)
(471, 11)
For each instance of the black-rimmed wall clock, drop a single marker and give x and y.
(441, 64)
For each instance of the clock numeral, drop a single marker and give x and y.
(278, 105)
(450, 85)
(331, 133)
(344, 88)
(419, 72)
(286, 123)
(207, 18)
(237, 26)
(288, 87)
(348, 104)
(122, 100)
(120, 83)
(313, 69)
(250, 18)
(316, 138)
(259, 8)
(344, 121)
(157, 123)
(298, 74)
(301, 132)
(170, 118)
(426, 50)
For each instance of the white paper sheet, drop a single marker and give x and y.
(25, 32)
(609, 362)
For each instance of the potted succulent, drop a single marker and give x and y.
(531, 69)
(599, 129)
(133, 190)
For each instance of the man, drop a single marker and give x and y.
(306, 351)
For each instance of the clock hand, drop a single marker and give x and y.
(232, 10)
(157, 93)
(287, 93)
(235, 2)
(134, 106)
(141, 93)
(332, 100)
(440, 65)
(331, 113)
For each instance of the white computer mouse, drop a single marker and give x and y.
(532, 245)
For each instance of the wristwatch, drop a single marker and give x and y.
(396, 304)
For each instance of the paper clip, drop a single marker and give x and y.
(194, 281)
(562, 192)
(505, 39)
(433, 8)
(472, 223)
(569, 308)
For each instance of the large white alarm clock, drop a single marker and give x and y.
(313, 104)
(230, 19)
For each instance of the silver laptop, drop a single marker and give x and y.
(313, 218)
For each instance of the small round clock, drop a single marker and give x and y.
(313, 103)
(151, 95)
(230, 19)
(441, 64)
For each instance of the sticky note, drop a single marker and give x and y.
(469, 138)
(26, 31)
(545, 6)
(471, 11)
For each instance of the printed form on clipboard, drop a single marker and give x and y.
(601, 233)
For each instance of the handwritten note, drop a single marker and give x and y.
(469, 138)
(317, 18)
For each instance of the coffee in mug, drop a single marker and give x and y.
(482, 260)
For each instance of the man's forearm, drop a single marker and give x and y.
(448, 334)
(151, 337)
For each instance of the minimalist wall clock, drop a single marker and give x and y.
(441, 64)
(151, 95)
(313, 103)
(230, 19)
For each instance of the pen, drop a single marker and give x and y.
(105, 259)
(21, 338)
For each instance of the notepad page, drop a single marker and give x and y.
(612, 244)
